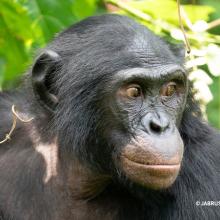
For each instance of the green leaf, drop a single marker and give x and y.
(13, 35)
(198, 12)
(89, 8)
(51, 15)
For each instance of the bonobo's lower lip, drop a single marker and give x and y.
(162, 170)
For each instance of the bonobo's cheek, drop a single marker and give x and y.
(153, 162)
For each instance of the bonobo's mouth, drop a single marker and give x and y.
(160, 169)
(154, 176)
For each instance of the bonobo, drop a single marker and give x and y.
(115, 132)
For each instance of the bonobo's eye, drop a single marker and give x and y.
(131, 91)
(168, 89)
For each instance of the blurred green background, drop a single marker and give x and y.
(26, 26)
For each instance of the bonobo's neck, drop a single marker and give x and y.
(82, 182)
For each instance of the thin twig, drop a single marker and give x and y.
(182, 28)
(15, 117)
(213, 24)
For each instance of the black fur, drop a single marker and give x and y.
(92, 51)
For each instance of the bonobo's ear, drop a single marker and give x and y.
(43, 72)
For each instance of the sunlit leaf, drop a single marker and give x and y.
(198, 12)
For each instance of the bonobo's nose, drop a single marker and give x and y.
(156, 123)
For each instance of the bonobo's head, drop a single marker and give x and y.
(116, 93)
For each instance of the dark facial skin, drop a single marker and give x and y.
(152, 101)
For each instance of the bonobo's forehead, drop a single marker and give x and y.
(115, 35)
(109, 43)
(150, 49)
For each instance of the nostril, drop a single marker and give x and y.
(155, 127)
(156, 124)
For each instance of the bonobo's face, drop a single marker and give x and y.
(149, 103)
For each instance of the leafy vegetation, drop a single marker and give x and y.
(26, 26)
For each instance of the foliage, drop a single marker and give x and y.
(26, 26)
